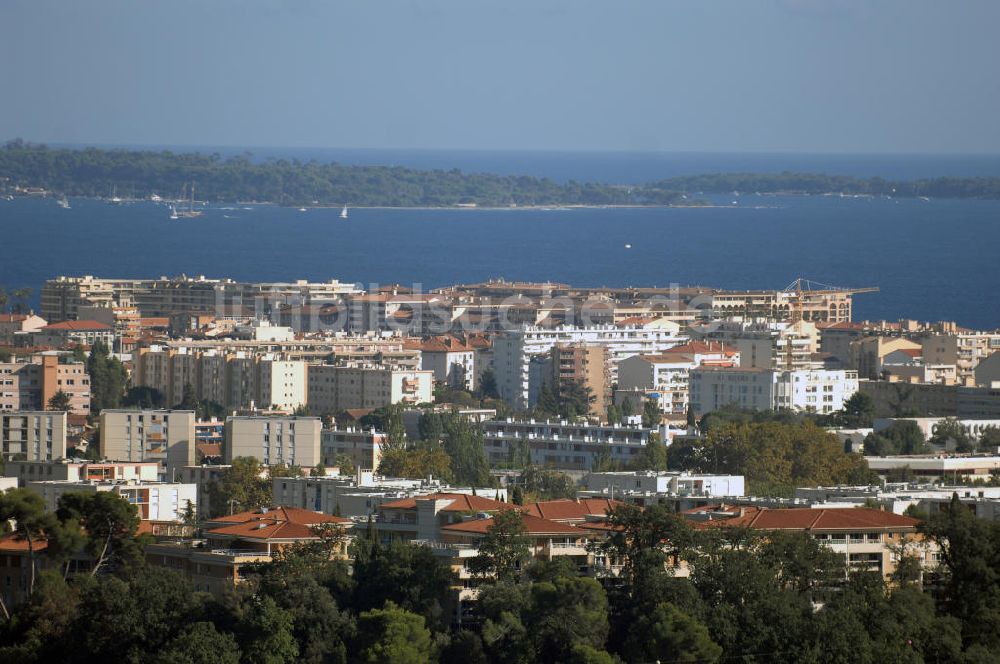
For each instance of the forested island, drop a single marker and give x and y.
(93, 172)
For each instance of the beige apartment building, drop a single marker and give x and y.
(282, 384)
(586, 364)
(33, 435)
(363, 448)
(333, 388)
(964, 350)
(29, 384)
(273, 440)
(165, 436)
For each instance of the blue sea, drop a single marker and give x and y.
(932, 260)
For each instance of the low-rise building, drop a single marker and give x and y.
(933, 467)
(75, 332)
(33, 435)
(154, 501)
(216, 564)
(70, 470)
(664, 483)
(807, 390)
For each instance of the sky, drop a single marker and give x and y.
(841, 76)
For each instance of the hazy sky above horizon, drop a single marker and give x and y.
(675, 75)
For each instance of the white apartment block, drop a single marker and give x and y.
(808, 390)
(80, 471)
(33, 435)
(332, 388)
(154, 501)
(513, 350)
(282, 384)
(164, 436)
(274, 440)
(561, 444)
(666, 483)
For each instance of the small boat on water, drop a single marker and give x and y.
(63, 203)
(343, 213)
(173, 213)
(115, 199)
(302, 209)
(189, 213)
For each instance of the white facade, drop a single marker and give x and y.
(513, 350)
(80, 471)
(282, 384)
(562, 444)
(665, 483)
(333, 388)
(154, 501)
(808, 390)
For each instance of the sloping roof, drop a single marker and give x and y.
(460, 502)
(358, 413)
(806, 518)
(209, 449)
(14, 542)
(274, 523)
(78, 326)
(533, 525)
(571, 510)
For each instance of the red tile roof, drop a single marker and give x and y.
(209, 449)
(14, 542)
(571, 510)
(460, 502)
(78, 325)
(275, 523)
(533, 525)
(806, 518)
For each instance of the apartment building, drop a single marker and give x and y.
(664, 483)
(965, 350)
(33, 435)
(560, 444)
(892, 399)
(665, 377)
(164, 436)
(154, 501)
(69, 470)
(807, 390)
(273, 440)
(29, 384)
(14, 327)
(452, 361)
(76, 332)
(513, 352)
(333, 388)
(62, 297)
(363, 448)
(282, 383)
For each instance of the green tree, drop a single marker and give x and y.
(668, 634)
(26, 510)
(614, 415)
(950, 432)
(503, 549)
(110, 523)
(901, 437)
(265, 632)
(189, 400)
(654, 455)
(466, 447)
(409, 575)
(199, 643)
(859, 411)
(107, 379)
(59, 401)
(567, 612)
(488, 388)
(430, 426)
(990, 438)
(143, 397)
(242, 486)
(392, 635)
(547, 484)
(651, 414)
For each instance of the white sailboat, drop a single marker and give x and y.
(173, 213)
(190, 212)
(343, 213)
(63, 203)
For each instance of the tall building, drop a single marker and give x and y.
(273, 440)
(333, 388)
(33, 435)
(165, 436)
(586, 364)
(513, 351)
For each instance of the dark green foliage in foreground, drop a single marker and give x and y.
(749, 598)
